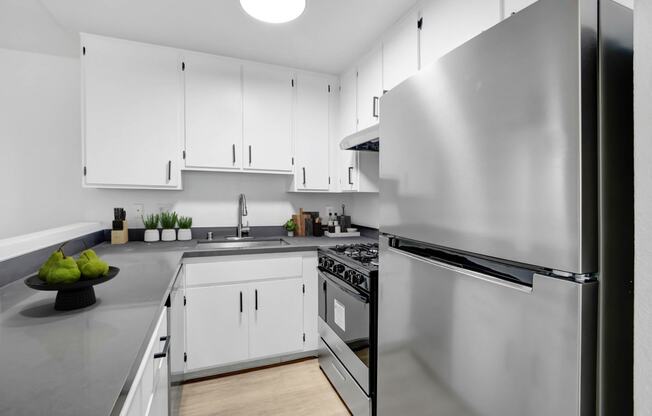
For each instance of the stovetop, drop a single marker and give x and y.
(363, 255)
(355, 264)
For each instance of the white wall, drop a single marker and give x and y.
(40, 142)
(643, 207)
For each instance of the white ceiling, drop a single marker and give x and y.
(328, 37)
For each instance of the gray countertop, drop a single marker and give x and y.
(78, 362)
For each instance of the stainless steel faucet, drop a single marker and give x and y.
(242, 212)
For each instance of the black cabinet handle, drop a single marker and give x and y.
(169, 170)
(256, 299)
(350, 170)
(240, 302)
(234, 154)
(304, 176)
(375, 107)
(249, 155)
(166, 348)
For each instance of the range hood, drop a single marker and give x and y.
(364, 140)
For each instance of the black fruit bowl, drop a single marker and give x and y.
(72, 295)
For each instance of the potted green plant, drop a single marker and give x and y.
(185, 224)
(168, 222)
(151, 228)
(290, 226)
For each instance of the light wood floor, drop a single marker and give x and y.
(296, 389)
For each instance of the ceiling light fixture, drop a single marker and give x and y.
(274, 11)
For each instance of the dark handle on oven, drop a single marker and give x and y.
(350, 170)
(166, 348)
(240, 302)
(234, 154)
(256, 298)
(304, 176)
(375, 109)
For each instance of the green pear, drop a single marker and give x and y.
(64, 271)
(94, 268)
(50, 262)
(85, 257)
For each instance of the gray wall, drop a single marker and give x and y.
(643, 198)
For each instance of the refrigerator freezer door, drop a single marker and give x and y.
(492, 149)
(453, 343)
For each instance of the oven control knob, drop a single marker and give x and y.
(339, 269)
(358, 279)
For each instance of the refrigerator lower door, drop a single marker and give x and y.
(455, 342)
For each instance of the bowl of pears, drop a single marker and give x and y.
(72, 279)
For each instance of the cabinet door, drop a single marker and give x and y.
(213, 112)
(216, 325)
(348, 103)
(268, 94)
(348, 170)
(447, 24)
(400, 52)
(178, 325)
(277, 318)
(515, 6)
(311, 132)
(370, 89)
(132, 114)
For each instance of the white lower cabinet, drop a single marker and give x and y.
(249, 307)
(216, 325)
(276, 325)
(148, 395)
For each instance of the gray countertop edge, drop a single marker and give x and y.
(199, 253)
(126, 387)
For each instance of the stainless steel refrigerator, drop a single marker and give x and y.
(506, 206)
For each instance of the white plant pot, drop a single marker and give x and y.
(185, 234)
(151, 236)
(290, 233)
(169, 235)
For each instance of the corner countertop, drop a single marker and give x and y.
(79, 362)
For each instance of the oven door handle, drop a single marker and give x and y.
(343, 288)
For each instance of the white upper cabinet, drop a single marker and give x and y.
(347, 160)
(401, 51)
(268, 97)
(311, 132)
(132, 114)
(515, 6)
(447, 24)
(370, 88)
(213, 112)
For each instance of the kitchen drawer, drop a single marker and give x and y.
(233, 269)
(354, 397)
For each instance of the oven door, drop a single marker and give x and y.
(344, 325)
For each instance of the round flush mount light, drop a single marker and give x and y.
(274, 11)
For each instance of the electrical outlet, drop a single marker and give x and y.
(164, 207)
(139, 210)
(329, 211)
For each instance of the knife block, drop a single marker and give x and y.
(121, 234)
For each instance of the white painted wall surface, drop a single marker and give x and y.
(39, 141)
(643, 207)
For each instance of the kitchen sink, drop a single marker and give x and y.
(249, 243)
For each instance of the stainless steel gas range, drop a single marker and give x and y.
(348, 322)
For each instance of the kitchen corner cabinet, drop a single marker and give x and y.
(268, 100)
(370, 89)
(249, 307)
(132, 109)
(311, 133)
(401, 51)
(514, 6)
(447, 24)
(213, 96)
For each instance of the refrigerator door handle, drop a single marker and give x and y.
(470, 273)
